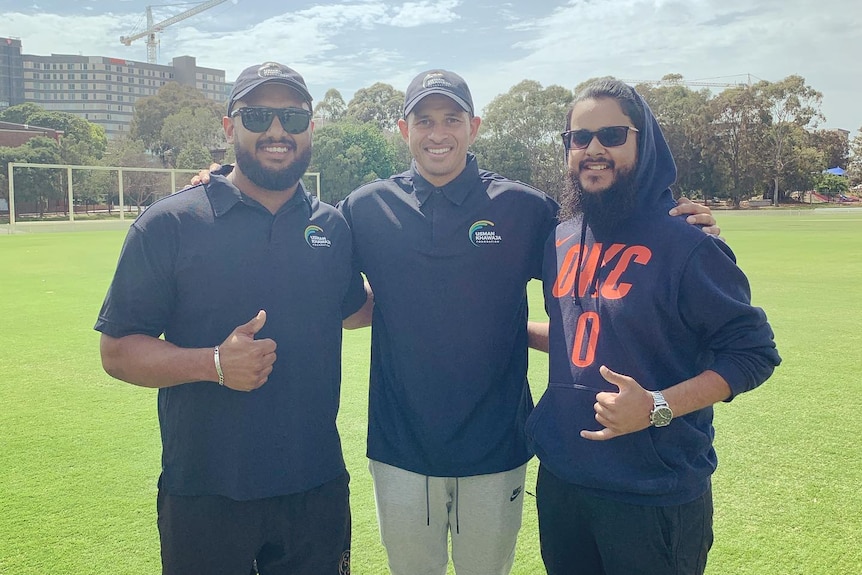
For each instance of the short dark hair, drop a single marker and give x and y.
(614, 89)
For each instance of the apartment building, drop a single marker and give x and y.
(100, 89)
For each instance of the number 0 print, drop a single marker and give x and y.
(583, 354)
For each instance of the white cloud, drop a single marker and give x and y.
(415, 14)
(45, 34)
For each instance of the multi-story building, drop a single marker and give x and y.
(11, 73)
(100, 89)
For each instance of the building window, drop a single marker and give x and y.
(71, 86)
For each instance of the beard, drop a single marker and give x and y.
(274, 180)
(603, 211)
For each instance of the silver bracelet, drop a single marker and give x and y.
(218, 366)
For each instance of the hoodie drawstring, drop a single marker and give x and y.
(427, 503)
(593, 288)
(457, 500)
(579, 264)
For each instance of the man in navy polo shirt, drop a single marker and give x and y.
(252, 468)
(448, 250)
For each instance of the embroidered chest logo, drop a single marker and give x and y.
(482, 233)
(315, 237)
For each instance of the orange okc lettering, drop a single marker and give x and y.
(587, 329)
(611, 289)
(568, 270)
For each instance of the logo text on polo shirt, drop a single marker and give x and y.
(315, 237)
(482, 233)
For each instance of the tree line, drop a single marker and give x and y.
(758, 140)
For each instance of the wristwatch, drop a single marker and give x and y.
(661, 414)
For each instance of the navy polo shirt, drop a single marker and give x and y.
(199, 263)
(449, 268)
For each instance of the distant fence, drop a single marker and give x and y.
(52, 195)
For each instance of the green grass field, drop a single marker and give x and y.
(79, 453)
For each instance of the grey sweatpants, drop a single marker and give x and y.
(417, 514)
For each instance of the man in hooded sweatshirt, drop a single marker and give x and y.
(651, 323)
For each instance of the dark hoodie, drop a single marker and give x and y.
(666, 303)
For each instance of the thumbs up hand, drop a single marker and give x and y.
(620, 412)
(245, 361)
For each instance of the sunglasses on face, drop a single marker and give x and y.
(610, 137)
(259, 119)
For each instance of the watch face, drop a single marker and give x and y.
(661, 416)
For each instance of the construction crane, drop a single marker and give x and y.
(153, 29)
(677, 80)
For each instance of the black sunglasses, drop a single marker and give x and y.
(259, 119)
(610, 137)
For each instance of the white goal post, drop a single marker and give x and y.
(119, 191)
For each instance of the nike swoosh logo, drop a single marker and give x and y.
(515, 493)
(564, 240)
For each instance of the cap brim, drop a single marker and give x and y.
(412, 104)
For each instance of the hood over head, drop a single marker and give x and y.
(656, 170)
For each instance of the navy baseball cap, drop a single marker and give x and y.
(254, 76)
(442, 82)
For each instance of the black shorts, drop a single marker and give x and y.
(304, 533)
(581, 534)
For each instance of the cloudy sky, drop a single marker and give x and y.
(350, 44)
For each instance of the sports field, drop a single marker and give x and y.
(79, 452)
